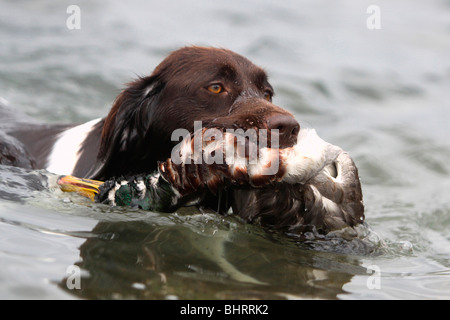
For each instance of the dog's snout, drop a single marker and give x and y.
(288, 128)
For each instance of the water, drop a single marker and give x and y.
(381, 94)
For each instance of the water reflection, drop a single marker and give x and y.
(188, 254)
(205, 257)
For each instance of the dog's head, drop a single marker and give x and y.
(215, 86)
(314, 183)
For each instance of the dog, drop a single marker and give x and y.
(218, 87)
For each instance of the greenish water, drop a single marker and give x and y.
(382, 95)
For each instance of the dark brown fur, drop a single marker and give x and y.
(137, 131)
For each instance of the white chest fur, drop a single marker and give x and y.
(65, 153)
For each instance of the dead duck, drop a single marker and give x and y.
(315, 183)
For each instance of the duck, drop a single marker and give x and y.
(316, 184)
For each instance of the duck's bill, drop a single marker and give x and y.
(85, 187)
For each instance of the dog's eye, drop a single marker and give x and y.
(215, 88)
(268, 96)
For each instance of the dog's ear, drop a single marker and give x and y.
(126, 127)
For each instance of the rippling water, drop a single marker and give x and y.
(383, 95)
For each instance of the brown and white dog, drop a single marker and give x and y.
(215, 86)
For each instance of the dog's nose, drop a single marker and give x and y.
(288, 129)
